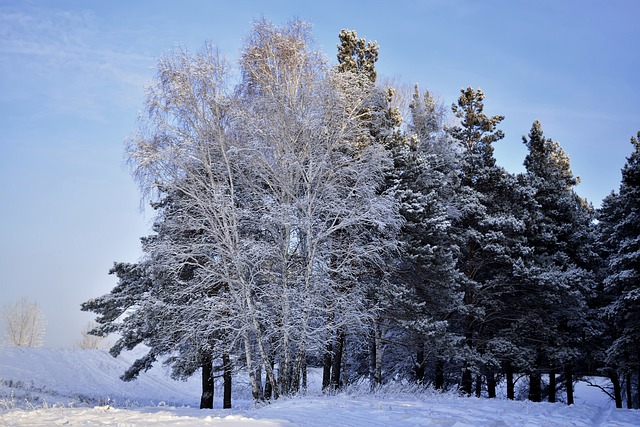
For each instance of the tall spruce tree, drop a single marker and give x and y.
(609, 324)
(155, 300)
(488, 237)
(356, 61)
(423, 181)
(558, 276)
(620, 221)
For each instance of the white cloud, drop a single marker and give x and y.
(63, 62)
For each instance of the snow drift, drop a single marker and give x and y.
(42, 387)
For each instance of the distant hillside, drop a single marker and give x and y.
(33, 376)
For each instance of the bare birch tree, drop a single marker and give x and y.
(24, 323)
(91, 342)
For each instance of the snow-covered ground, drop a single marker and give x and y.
(46, 387)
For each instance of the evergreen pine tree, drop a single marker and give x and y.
(356, 60)
(488, 237)
(158, 296)
(558, 277)
(620, 221)
(423, 180)
(608, 324)
(357, 55)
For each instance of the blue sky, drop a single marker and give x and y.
(72, 76)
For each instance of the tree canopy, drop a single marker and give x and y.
(308, 215)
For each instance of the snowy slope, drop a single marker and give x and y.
(44, 387)
(32, 376)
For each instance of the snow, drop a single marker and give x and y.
(48, 387)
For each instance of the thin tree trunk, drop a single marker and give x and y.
(206, 399)
(255, 388)
(226, 375)
(638, 388)
(284, 371)
(510, 385)
(257, 330)
(372, 358)
(378, 359)
(303, 368)
(268, 389)
(420, 366)
(326, 365)
(439, 374)
(466, 383)
(535, 386)
(617, 391)
(535, 380)
(628, 387)
(552, 385)
(298, 370)
(295, 378)
(259, 380)
(491, 385)
(337, 360)
(478, 385)
(343, 365)
(263, 352)
(568, 373)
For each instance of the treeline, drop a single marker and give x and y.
(305, 216)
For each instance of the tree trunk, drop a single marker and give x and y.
(284, 373)
(304, 374)
(259, 380)
(466, 384)
(491, 385)
(226, 375)
(267, 390)
(257, 330)
(552, 385)
(439, 374)
(535, 386)
(326, 366)
(467, 378)
(271, 378)
(478, 385)
(294, 387)
(268, 387)
(638, 388)
(337, 360)
(628, 387)
(206, 399)
(535, 380)
(617, 391)
(255, 387)
(378, 359)
(510, 385)
(568, 373)
(372, 359)
(420, 367)
(299, 373)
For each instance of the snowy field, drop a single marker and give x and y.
(48, 387)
